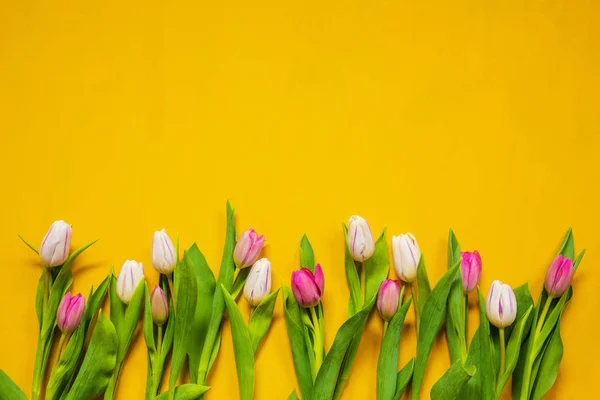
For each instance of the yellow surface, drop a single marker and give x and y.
(124, 118)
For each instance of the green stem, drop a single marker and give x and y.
(363, 282)
(114, 382)
(414, 291)
(46, 287)
(385, 327)
(156, 368)
(466, 321)
(172, 290)
(318, 346)
(502, 353)
(530, 359)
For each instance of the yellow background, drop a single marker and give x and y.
(123, 118)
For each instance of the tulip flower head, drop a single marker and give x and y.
(470, 268)
(160, 306)
(164, 258)
(132, 273)
(308, 287)
(501, 305)
(559, 275)
(258, 284)
(406, 256)
(56, 244)
(360, 239)
(69, 313)
(387, 299)
(248, 248)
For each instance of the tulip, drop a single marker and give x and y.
(406, 256)
(387, 299)
(160, 306)
(308, 287)
(501, 305)
(470, 268)
(56, 244)
(247, 249)
(163, 253)
(360, 239)
(258, 283)
(69, 313)
(559, 275)
(132, 273)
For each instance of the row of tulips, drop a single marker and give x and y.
(182, 318)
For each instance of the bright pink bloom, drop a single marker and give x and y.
(387, 299)
(247, 249)
(69, 313)
(308, 287)
(470, 268)
(559, 275)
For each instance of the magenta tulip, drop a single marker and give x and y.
(559, 275)
(470, 268)
(69, 313)
(308, 287)
(387, 299)
(248, 248)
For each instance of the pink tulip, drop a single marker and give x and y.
(69, 313)
(308, 287)
(387, 299)
(247, 249)
(470, 267)
(559, 275)
(160, 306)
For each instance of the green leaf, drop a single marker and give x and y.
(567, 249)
(240, 281)
(168, 336)
(185, 308)
(132, 317)
(117, 308)
(472, 390)
(95, 301)
(149, 323)
(307, 255)
(432, 318)
(29, 245)
(424, 288)
(9, 390)
(39, 299)
(242, 346)
(578, 260)
(387, 365)
(327, 376)
(98, 364)
(449, 386)
(300, 353)
(403, 378)
(260, 320)
(455, 320)
(355, 301)
(524, 302)
(65, 367)
(550, 363)
(512, 350)
(206, 290)
(211, 343)
(293, 396)
(189, 391)
(549, 324)
(376, 267)
(486, 366)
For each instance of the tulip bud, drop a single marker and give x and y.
(501, 305)
(308, 287)
(258, 284)
(160, 306)
(247, 249)
(163, 253)
(55, 247)
(470, 268)
(132, 273)
(559, 275)
(387, 299)
(360, 239)
(69, 313)
(406, 256)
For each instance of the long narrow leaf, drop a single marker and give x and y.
(260, 320)
(449, 386)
